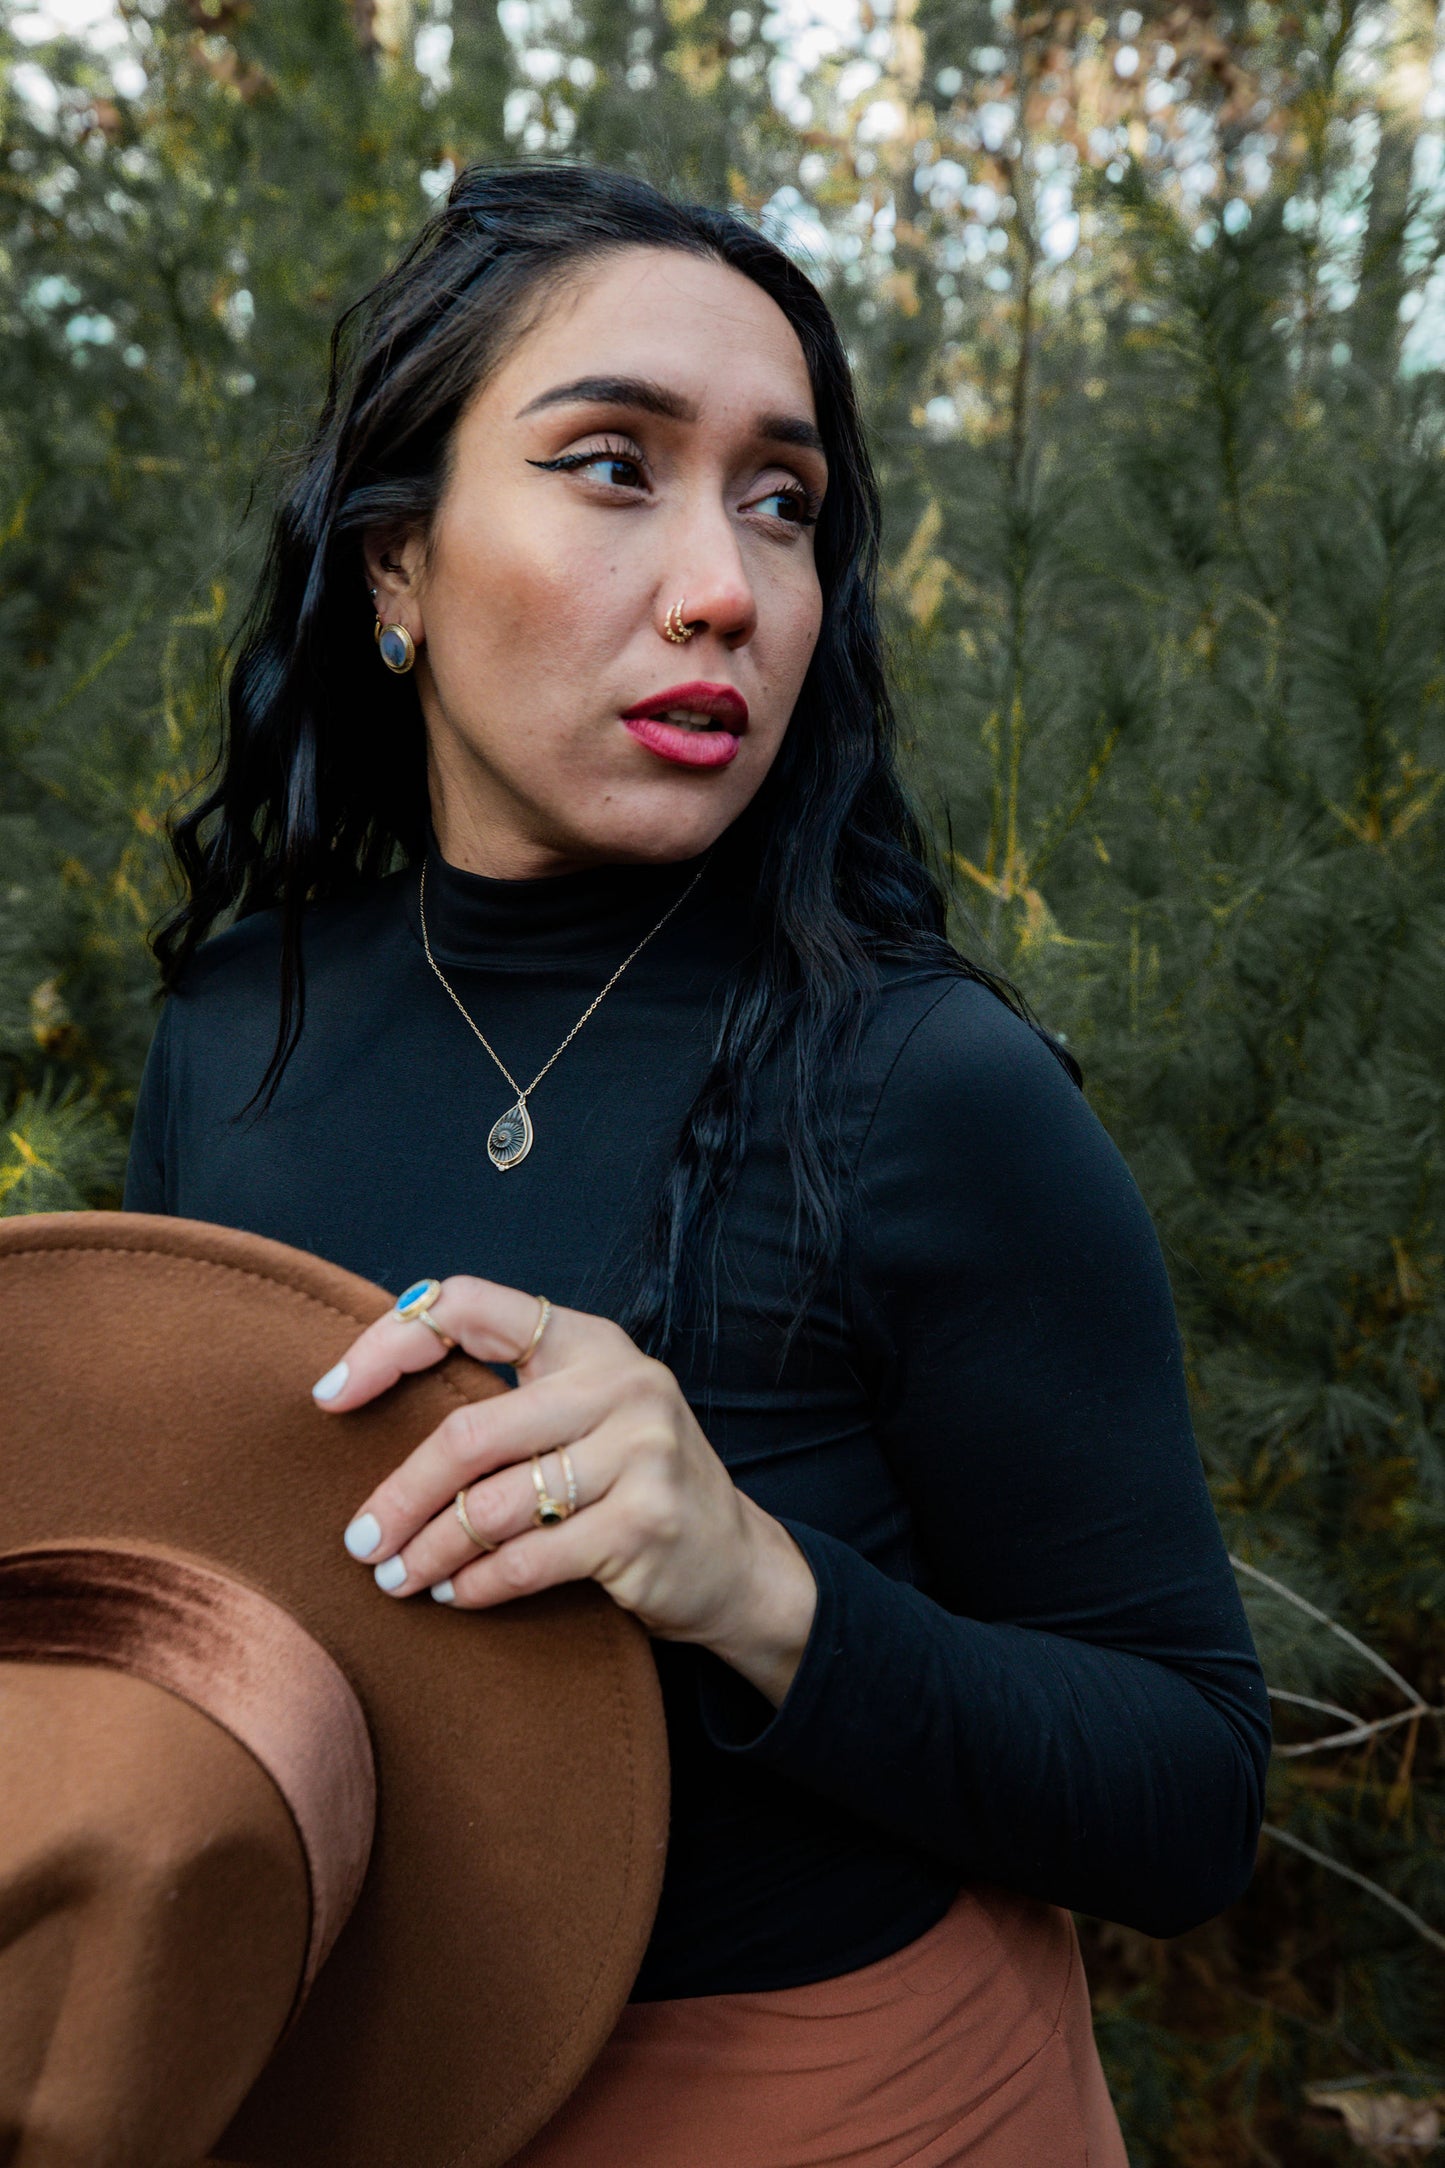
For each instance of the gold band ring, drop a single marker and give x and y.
(460, 1509)
(550, 1510)
(424, 1317)
(518, 1361)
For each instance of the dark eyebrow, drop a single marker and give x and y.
(790, 429)
(643, 394)
(624, 391)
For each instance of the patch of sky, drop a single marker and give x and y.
(90, 328)
(1424, 342)
(432, 53)
(882, 121)
(239, 312)
(995, 123)
(32, 83)
(54, 292)
(856, 77)
(100, 26)
(791, 221)
(785, 86)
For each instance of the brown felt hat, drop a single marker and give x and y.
(161, 1460)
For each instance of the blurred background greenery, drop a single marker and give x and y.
(1148, 308)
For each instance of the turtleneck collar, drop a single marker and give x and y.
(597, 914)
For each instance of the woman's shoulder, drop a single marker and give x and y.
(944, 1040)
(239, 969)
(969, 1111)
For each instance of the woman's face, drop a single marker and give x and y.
(651, 441)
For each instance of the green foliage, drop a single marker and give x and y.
(1167, 589)
(59, 1155)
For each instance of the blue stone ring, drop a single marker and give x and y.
(413, 1307)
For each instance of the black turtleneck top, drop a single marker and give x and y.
(1029, 1664)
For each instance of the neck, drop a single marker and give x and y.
(475, 838)
(588, 918)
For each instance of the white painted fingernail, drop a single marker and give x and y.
(363, 1535)
(391, 1575)
(444, 1593)
(328, 1387)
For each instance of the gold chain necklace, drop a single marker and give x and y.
(510, 1137)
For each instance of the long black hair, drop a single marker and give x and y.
(321, 784)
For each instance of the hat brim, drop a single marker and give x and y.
(156, 1386)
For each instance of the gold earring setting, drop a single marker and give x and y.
(398, 649)
(675, 627)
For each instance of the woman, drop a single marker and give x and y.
(567, 964)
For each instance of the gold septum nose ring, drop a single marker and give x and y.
(675, 626)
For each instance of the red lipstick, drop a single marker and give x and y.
(717, 716)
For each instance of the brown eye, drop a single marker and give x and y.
(619, 469)
(794, 507)
(621, 473)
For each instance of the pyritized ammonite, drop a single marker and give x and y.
(510, 1137)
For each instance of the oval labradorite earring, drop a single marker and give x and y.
(398, 649)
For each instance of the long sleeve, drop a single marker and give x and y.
(1069, 1702)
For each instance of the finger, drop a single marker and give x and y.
(495, 1324)
(473, 1441)
(577, 1550)
(499, 1509)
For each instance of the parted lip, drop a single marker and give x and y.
(722, 702)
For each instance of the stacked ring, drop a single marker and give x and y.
(414, 1304)
(550, 1510)
(532, 1345)
(460, 1509)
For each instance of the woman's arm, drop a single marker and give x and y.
(145, 1172)
(1070, 1704)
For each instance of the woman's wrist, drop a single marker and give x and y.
(766, 1630)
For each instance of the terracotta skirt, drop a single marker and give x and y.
(974, 2044)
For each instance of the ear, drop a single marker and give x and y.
(394, 564)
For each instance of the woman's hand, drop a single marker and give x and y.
(658, 1521)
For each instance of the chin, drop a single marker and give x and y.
(660, 826)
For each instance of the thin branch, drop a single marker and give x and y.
(1361, 1881)
(1302, 1603)
(1356, 1736)
(1308, 1701)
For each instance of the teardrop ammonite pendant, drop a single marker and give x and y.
(510, 1137)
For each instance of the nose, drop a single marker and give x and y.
(706, 575)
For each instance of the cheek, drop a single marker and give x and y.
(799, 620)
(541, 597)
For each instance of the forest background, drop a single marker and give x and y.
(1148, 309)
